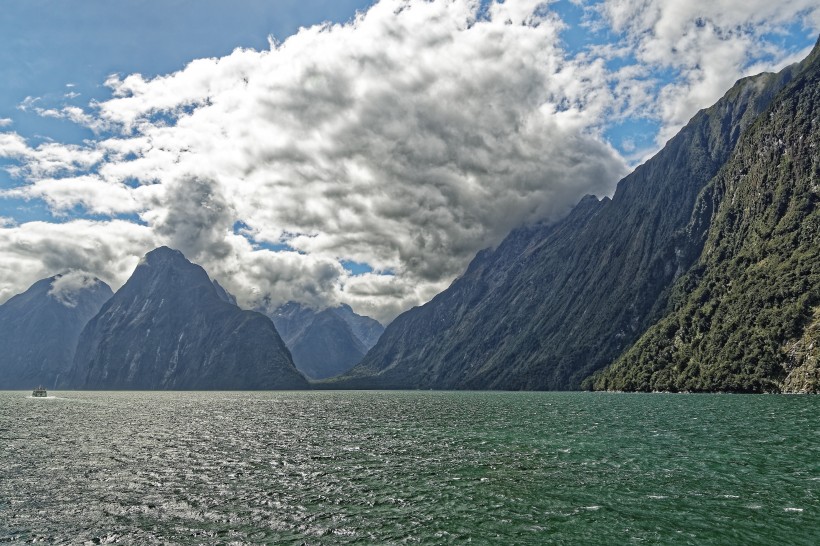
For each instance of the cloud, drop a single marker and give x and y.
(5, 122)
(13, 146)
(91, 192)
(47, 159)
(197, 218)
(407, 139)
(72, 113)
(27, 103)
(709, 44)
(34, 250)
(66, 287)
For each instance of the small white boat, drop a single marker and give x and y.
(40, 392)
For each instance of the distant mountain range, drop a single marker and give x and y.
(325, 343)
(169, 327)
(701, 273)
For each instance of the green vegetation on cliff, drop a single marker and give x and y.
(745, 317)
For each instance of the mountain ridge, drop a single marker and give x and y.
(553, 303)
(745, 317)
(325, 343)
(169, 327)
(39, 328)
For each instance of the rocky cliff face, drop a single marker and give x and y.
(223, 294)
(554, 303)
(801, 360)
(39, 328)
(325, 343)
(169, 327)
(745, 317)
(366, 329)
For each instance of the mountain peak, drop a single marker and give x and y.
(169, 327)
(67, 287)
(39, 328)
(328, 342)
(223, 294)
(163, 254)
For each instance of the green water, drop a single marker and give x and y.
(409, 467)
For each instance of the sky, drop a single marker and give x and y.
(344, 151)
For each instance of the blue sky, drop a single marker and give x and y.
(49, 45)
(364, 162)
(53, 50)
(60, 53)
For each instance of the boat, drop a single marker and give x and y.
(40, 392)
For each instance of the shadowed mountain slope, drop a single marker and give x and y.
(553, 303)
(169, 327)
(325, 343)
(39, 329)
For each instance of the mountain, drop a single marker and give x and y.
(554, 303)
(366, 329)
(223, 294)
(39, 328)
(325, 343)
(746, 316)
(169, 327)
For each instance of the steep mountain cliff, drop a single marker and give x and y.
(39, 328)
(746, 317)
(553, 303)
(169, 327)
(325, 343)
(223, 294)
(366, 329)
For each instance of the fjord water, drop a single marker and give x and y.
(409, 467)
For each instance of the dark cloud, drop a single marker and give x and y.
(196, 218)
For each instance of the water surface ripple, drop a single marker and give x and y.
(409, 467)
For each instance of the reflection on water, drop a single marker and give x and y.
(394, 467)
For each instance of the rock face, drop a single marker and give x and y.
(746, 316)
(366, 329)
(169, 327)
(554, 303)
(325, 343)
(223, 294)
(39, 328)
(802, 360)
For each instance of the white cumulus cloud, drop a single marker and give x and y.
(34, 250)
(407, 139)
(709, 44)
(67, 286)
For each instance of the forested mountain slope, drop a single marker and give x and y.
(746, 317)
